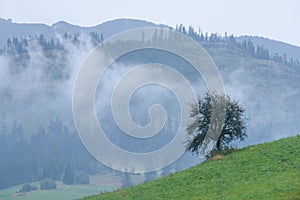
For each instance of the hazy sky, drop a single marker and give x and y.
(275, 19)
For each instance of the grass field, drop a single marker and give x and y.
(62, 192)
(265, 171)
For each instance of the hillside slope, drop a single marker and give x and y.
(273, 46)
(265, 171)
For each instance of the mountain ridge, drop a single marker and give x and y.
(11, 29)
(274, 46)
(114, 26)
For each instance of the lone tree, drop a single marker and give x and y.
(232, 128)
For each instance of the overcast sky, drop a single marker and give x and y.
(275, 19)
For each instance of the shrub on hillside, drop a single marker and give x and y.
(47, 184)
(27, 187)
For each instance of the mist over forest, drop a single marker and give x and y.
(38, 66)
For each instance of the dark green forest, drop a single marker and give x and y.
(49, 153)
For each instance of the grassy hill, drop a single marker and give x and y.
(265, 171)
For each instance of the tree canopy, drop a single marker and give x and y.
(232, 129)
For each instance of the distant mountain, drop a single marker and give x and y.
(62, 27)
(116, 26)
(274, 46)
(107, 28)
(11, 29)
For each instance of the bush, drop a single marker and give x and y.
(27, 187)
(47, 184)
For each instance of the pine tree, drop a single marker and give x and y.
(68, 177)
